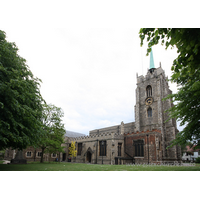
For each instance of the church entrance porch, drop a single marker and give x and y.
(88, 157)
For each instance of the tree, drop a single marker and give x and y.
(20, 99)
(53, 130)
(184, 148)
(72, 150)
(186, 73)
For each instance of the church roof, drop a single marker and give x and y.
(73, 134)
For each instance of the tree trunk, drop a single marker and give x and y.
(49, 156)
(35, 155)
(41, 160)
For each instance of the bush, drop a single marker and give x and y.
(197, 160)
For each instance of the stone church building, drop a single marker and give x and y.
(142, 141)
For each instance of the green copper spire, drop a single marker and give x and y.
(151, 60)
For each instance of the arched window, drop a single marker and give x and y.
(79, 148)
(28, 154)
(53, 155)
(149, 112)
(139, 148)
(119, 149)
(149, 91)
(102, 146)
(39, 154)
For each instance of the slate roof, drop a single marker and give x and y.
(73, 134)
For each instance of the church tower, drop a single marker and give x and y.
(150, 110)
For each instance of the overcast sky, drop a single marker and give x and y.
(86, 54)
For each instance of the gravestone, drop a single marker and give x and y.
(19, 158)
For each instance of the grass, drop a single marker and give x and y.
(65, 166)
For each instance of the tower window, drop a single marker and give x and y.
(149, 112)
(149, 91)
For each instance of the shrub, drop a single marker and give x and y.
(197, 160)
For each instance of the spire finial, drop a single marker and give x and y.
(151, 60)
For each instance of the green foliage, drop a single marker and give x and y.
(186, 73)
(53, 130)
(197, 160)
(20, 99)
(184, 148)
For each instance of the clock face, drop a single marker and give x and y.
(149, 101)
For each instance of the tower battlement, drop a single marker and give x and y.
(152, 74)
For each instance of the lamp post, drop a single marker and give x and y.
(102, 144)
(96, 151)
(148, 147)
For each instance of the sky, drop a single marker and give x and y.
(87, 55)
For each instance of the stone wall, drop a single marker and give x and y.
(32, 156)
(92, 144)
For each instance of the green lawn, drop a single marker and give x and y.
(65, 166)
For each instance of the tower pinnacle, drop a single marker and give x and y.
(151, 60)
